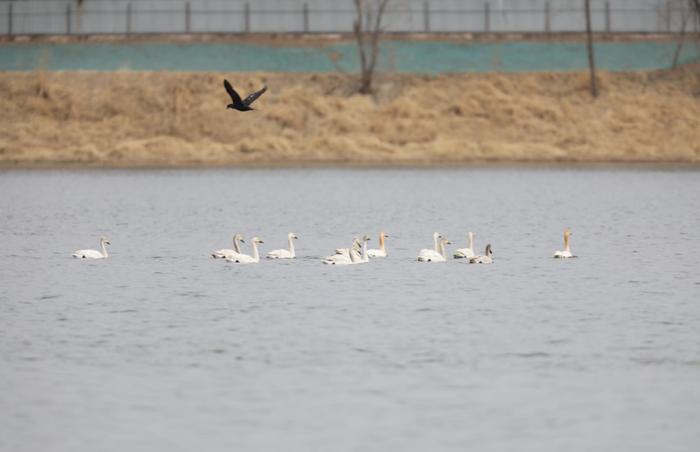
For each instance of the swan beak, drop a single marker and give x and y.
(242, 241)
(107, 242)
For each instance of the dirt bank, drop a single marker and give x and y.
(135, 119)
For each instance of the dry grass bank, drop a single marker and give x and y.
(127, 119)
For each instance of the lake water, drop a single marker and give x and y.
(431, 57)
(161, 348)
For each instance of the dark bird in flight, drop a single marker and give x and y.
(238, 104)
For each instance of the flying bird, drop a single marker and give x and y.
(238, 104)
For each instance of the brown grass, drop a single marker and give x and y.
(127, 119)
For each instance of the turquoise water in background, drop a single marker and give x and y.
(399, 56)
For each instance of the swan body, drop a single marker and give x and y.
(466, 253)
(244, 258)
(381, 251)
(222, 253)
(357, 254)
(362, 258)
(341, 256)
(425, 253)
(487, 258)
(282, 253)
(436, 257)
(566, 253)
(93, 254)
(337, 259)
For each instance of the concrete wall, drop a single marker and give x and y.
(226, 16)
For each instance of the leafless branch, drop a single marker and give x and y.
(367, 29)
(589, 45)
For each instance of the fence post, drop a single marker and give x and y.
(547, 19)
(305, 14)
(128, 18)
(426, 17)
(68, 30)
(187, 17)
(608, 25)
(487, 17)
(9, 19)
(246, 17)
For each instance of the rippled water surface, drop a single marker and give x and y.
(161, 348)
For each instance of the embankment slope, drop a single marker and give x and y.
(143, 119)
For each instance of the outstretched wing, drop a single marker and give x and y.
(252, 97)
(235, 98)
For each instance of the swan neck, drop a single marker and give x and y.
(256, 256)
(381, 243)
(566, 243)
(237, 245)
(291, 245)
(442, 250)
(104, 249)
(353, 253)
(471, 241)
(437, 245)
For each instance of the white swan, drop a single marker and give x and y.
(358, 258)
(343, 251)
(567, 250)
(357, 254)
(381, 252)
(466, 252)
(434, 253)
(222, 253)
(93, 254)
(340, 257)
(244, 258)
(436, 257)
(282, 253)
(487, 258)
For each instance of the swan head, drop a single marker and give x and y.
(436, 235)
(292, 235)
(257, 240)
(238, 237)
(366, 238)
(104, 240)
(383, 235)
(488, 250)
(568, 233)
(446, 242)
(471, 235)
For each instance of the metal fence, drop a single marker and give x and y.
(55, 17)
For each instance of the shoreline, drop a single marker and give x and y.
(630, 165)
(149, 120)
